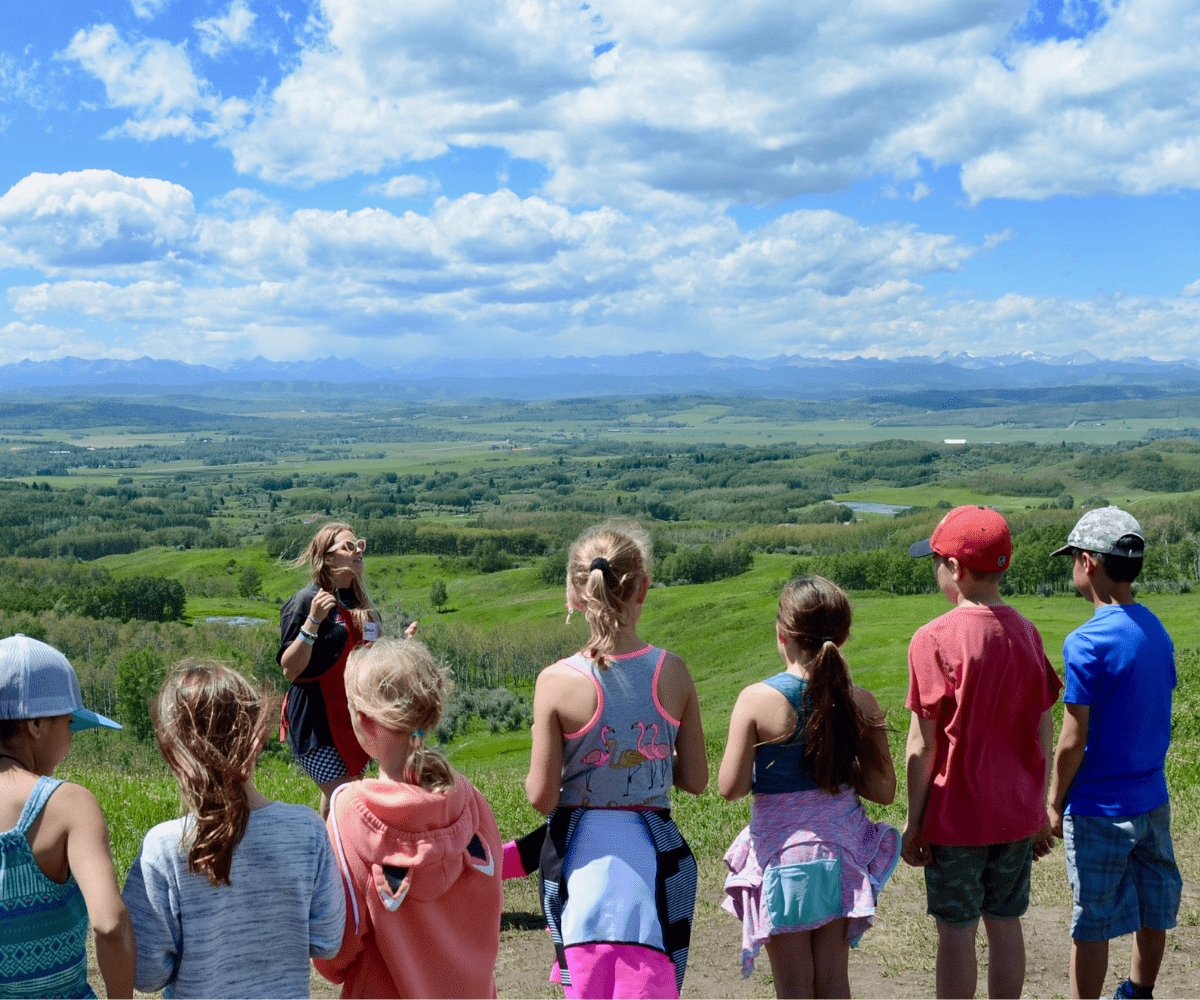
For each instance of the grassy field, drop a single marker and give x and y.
(723, 630)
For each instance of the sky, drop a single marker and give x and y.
(209, 180)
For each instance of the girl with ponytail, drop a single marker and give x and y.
(804, 876)
(236, 896)
(419, 826)
(615, 727)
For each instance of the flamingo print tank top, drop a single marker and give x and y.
(622, 758)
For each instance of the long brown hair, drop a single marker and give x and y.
(316, 557)
(840, 743)
(211, 724)
(604, 593)
(398, 684)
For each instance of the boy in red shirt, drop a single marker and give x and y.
(981, 691)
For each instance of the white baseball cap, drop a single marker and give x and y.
(37, 681)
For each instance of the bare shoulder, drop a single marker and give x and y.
(558, 676)
(674, 670)
(72, 806)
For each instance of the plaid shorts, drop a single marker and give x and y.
(1123, 874)
(963, 883)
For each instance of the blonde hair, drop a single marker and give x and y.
(316, 557)
(604, 593)
(210, 725)
(840, 743)
(398, 684)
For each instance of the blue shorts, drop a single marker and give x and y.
(1123, 874)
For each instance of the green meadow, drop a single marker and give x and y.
(724, 630)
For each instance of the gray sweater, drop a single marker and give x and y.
(252, 938)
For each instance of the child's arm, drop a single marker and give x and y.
(327, 909)
(735, 778)
(148, 894)
(689, 764)
(920, 759)
(89, 856)
(878, 784)
(356, 925)
(1068, 757)
(544, 782)
(1043, 840)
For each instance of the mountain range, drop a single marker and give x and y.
(1017, 376)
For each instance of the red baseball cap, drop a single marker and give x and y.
(977, 537)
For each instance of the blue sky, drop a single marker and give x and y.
(217, 179)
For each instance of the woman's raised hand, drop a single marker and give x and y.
(322, 603)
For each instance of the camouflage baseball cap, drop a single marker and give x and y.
(1103, 530)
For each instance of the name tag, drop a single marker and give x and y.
(370, 631)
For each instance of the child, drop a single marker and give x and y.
(233, 898)
(418, 847)
(981, 691)
(805, 874)
(1108, 768)
(56, 868)
(614, 727)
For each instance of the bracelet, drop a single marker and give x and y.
(315, 621)
(307, 638)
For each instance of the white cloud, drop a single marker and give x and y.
(751, 102)
(148, 9)
(406, 186)
(229, 30)
(155, 78)
(38, 342)
(93, 219)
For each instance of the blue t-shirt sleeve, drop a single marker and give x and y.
(153, 904)
(1079, 668)
(327, 915)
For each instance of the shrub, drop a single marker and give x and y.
(139, 676)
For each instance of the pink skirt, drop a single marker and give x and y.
(805, 859)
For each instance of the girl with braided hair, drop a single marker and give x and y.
(805, 874)
(614, 728)
(232, 899)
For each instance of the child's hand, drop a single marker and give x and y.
(914, 848)
(1043, 841)
(410, 631)
(1055, 820)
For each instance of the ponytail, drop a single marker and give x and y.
(840, 743)
(211, 725)
(606, 569)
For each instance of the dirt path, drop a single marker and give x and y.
(894, 960)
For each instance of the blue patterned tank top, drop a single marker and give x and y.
(43, 924)
(781, 767)
(622, 758)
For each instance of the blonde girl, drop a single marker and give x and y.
(805, 874)
(318, 629)
(418, 847)
(233, 898)
(614, 728)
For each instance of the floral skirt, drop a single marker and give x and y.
(805, 859)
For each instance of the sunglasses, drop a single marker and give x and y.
(348, 547)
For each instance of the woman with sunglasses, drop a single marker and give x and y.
(318, 628)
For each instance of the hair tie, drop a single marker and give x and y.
(602, 564)
(419, 733)
(827, 638)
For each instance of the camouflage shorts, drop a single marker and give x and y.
(961, 883)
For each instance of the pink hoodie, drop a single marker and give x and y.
(421, 872)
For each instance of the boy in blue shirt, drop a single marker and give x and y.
(1108, 797)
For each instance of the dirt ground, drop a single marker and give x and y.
(894, 960)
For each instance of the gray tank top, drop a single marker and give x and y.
(622, 758)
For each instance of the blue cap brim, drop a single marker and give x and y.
(921, 548)
(84, 718)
